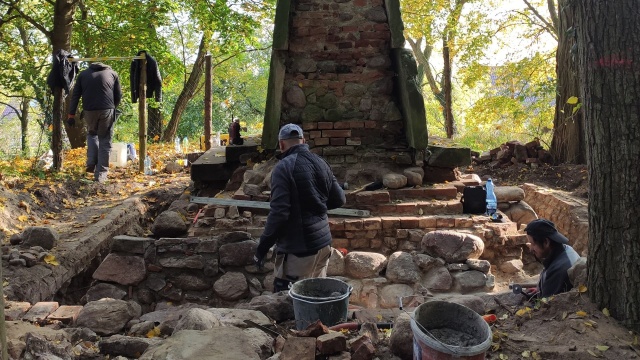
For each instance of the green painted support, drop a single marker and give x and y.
(395, 23)
(411, 100)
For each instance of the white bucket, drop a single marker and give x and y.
(118, 155)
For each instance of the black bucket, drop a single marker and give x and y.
(324, 299)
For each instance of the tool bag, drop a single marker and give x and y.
(474, 200)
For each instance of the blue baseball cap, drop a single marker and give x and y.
(290, 131)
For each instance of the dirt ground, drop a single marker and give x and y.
(568, 326)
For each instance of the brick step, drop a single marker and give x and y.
(437, 192)
(403, 208)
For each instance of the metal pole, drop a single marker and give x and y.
(142, 113)
(207, 102)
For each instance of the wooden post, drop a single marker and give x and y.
(207, 102)
(142, 113)
(56, 136)
(3, 325)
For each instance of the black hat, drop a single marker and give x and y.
(545, 229)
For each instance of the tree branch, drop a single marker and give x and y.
(553, 12)
(27, 18)
(550, 26)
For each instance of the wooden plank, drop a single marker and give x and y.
(265, 205)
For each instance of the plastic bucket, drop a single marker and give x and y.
(438, 316)
(324, 299)
(118, 155)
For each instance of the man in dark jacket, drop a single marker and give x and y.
(551, 249)
(100, 89)
(303, 188)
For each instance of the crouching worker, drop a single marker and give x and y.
(550, 248)
(303, 188)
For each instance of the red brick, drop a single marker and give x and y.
(315, 134)
(337, 141)
(371, 234)
(370, 124)
(390, 222)
(324, 125)
(345, 45)
(374, 223)
(387, 209)
(349, 29)
(445, 223)
(464, 222)
(336, 133)
(360, 243)
(309, 126)
(372, 197)
(336, 224)
(380, 27)
(384, 35)
(409, 222)
(427, 222)
(376, 244)
(316, 150)
(402, 234)
(454, 207)
(360, 3)
(355, 124)
(443, 193)
(406, 208)
(321, 141)
(342, 125)
(353, 224)
(340, 243)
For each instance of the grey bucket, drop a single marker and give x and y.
(324, 299)
(441, 314)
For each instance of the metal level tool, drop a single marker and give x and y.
(265, 205)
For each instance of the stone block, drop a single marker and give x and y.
(66, 313)
(40, 311)
(336, 224)
(410, 222)
(390, 222)
(373, 197)
(299, 348)
(331, 343)
(130, 244)
(353, 224)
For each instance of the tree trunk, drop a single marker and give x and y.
(60, 39)
(24, 125)
(155, 122)
(446, 74)
(568, 142)
(187, 93)
(608, 63)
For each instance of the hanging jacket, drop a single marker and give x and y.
(62, 71)
(99, 87)
(154, 79)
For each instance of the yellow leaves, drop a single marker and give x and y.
(591, 324)
(523, 312)
(602, 348)
(51, 260)
(50, 127)
(23, 218)
(581, 313)
(155, 332)
(606, 313)
(531, 355)
(25, 206)
(5, 283)
(582, 289)
(156, 138)
(572, 100)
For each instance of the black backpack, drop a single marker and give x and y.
(474, 200)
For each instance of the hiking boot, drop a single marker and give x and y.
(90, 169)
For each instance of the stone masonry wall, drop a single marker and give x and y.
(569, 214)
(339, 80)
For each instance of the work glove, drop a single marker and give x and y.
(71, 120)
(258, 261)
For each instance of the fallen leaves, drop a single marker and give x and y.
(51, 260)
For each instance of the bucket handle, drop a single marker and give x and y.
(349, 290)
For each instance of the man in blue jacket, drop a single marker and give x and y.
(303, 188)
(551, 249)
(99, 87)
